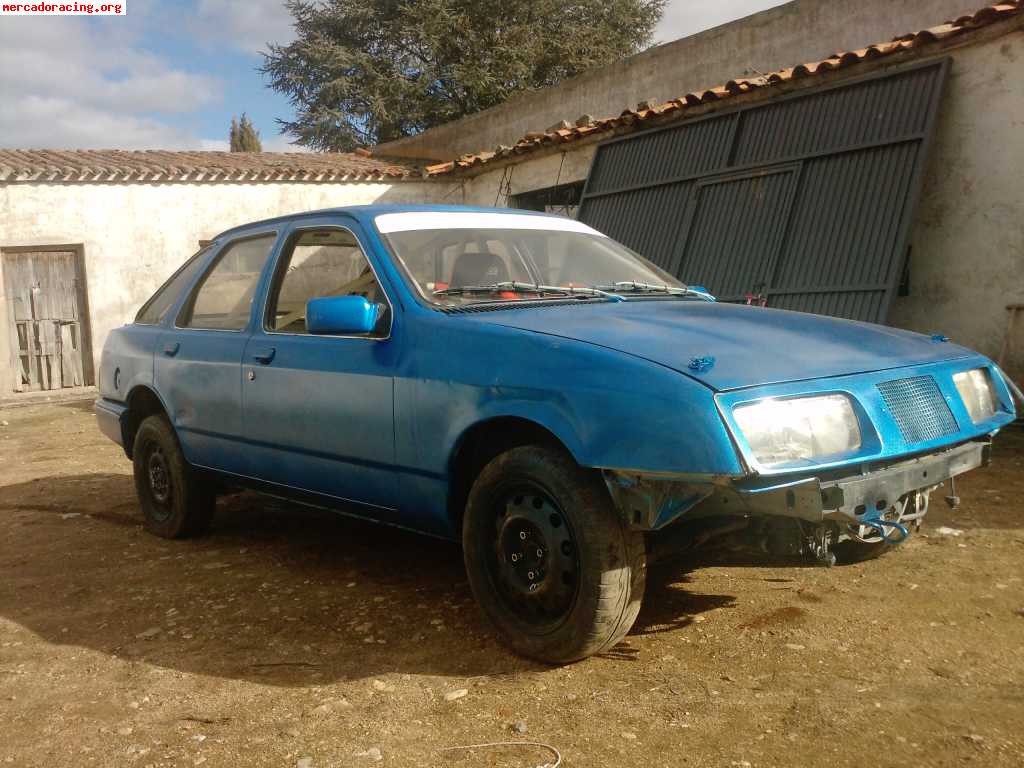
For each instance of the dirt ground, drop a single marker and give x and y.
(294, 637)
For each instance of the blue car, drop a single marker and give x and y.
(526, 385)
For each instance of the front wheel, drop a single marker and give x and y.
(176, 501)
(550, 560)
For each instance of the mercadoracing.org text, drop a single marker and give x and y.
(64, 9)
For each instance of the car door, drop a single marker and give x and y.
(197, 361)
(319, 410)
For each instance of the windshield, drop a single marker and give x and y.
(462, 263)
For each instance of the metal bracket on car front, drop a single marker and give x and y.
(651, 502)
(860, 497)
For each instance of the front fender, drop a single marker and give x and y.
(611, 410)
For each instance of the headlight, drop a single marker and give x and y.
(799, 429)
(975, 388)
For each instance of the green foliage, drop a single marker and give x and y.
(244, 137)
(361, 72)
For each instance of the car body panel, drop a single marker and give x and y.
(751, 346)
(110, 419)
(319, 414)
(378, 422)
(200, 384)
(127, 361)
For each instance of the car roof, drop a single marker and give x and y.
(366, 213)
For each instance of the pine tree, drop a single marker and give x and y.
(244, 137)
(367, 71)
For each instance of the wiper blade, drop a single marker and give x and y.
(513, 286)
(636, 287)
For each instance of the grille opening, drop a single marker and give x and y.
(918, 408)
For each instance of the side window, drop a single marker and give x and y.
(224, 297)
(318, 263)
(155, 310)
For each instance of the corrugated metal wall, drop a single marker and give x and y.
(805, 200)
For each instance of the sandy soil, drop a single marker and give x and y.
(293, 637)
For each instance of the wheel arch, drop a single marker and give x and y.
(479, 444)
(142, 402)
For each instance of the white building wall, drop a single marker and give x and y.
(967, 261)
(135, 235)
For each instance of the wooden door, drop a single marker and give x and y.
(45, 298)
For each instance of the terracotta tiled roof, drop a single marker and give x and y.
(635, 119)
(155, 165)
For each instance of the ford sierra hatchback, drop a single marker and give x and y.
(530, 387)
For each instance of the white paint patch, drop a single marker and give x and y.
(417, 220)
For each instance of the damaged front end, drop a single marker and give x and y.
(798, 516)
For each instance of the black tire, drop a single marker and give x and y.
(850, 551)
(177, 502)
(590, 568)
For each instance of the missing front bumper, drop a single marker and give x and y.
(651, 503)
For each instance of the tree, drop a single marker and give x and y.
(244, 137)
(361, 72)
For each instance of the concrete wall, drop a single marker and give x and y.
(799, 31)
(135, 236)
(967, 261)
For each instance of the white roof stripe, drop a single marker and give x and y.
(413, 220)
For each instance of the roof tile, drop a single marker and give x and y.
(634, 119)
(88, 165)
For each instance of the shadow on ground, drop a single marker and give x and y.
(278, 594)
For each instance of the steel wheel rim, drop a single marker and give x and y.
(158, 478)
(534, 559)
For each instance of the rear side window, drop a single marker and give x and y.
(155, 310)
(224, 297)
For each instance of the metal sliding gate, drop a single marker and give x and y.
(803, 202)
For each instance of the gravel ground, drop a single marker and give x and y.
(294, 637)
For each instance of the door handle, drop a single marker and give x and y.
(171, 349)
(263, 356)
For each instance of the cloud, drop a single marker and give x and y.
(279, 143)
(71, 84)
(214, 145)
(58, 123)
(271, 144)
(246, 25)
(687, 17)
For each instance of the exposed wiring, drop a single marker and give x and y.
(505, 185)
(461, 186)
(554, 190)
(552, 750)
(876, 522)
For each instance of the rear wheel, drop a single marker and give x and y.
(549, 559)
(176, 501)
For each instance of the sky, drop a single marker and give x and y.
(170, 74)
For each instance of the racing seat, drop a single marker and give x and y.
(478, 269)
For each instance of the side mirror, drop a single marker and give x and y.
(341, 315)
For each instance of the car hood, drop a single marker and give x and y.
(751, 346)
